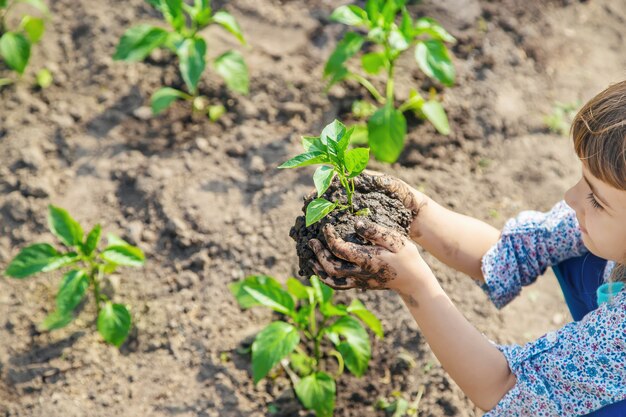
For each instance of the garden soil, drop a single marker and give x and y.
(208, 206)
(380, 208)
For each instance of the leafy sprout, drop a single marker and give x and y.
(88, 266)
(390, 27)
(16, 43)
(330, 150)
(312, 331)
(184, 40)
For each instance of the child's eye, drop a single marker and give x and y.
(593, 201)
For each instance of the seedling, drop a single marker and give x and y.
(314, 331)
(15, 44)
(386, 124)
(561, 118)
(331, 150)
(185, 41)
(88, 268)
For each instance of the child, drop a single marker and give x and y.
(577, 370)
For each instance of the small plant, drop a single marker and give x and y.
(386, 125)
(88, 268)
(314, 330)
(185, 41)
(561, 118)
(15, 44)
(331, 150)
(399, 406)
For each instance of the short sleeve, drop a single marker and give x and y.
(529, 243)
(571, 372)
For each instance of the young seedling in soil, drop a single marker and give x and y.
(88, 268)
(331, 150)
(16, 43)
(343, 195)
(313, 335)
(185, 41)
(386, 124)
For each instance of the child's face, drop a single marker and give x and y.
(601, 212)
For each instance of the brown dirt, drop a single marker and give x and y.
(383, 210)
(208, 207)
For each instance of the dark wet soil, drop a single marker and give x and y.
(383, 210)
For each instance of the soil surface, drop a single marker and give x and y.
(208, 206)
(382, 210)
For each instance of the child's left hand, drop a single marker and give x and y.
(393, 262)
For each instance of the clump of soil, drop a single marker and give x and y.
(384, 210)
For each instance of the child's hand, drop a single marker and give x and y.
(394, 262)
(412, 199)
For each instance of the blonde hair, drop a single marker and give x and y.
(599, 134)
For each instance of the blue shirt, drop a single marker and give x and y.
(581, 367)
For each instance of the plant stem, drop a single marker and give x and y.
(370, 87)
(95, 281)
(389, 90)
(340, 362)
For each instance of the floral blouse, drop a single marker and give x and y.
(578, 368)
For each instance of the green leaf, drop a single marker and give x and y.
(15, 50)
(389, 10)
(317, 392)
(114, 323)
(356, 161)
(173, 12)
(336, 138)
(323, 293)
(386, 131)
(397, 41)
(322, 178)
(433, 59)
(303, 364)
(428, 25)
(346, 48)
(34, 27)
(314, 144)
(406, 26)
(355, 348)
(203, 11)
(64, 226)
(372, 8)
(434, 112)
(297, 289)
(350, 15)
(164, 97)
(191, 53)
(362, 109)
(215, 112)
(228, 22)
(92, 239)
(317, 210)
(277, 301)
(330, 310)
(113, 240)
(125, 255)
(138, 41)
(72, 290)
(304, 159)
(264, 290)
(272, 344)
(373, 62)
(56, 320)
(231, 66)
(44, 78)
(40, 257)
(357, 308)
(5, 81)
